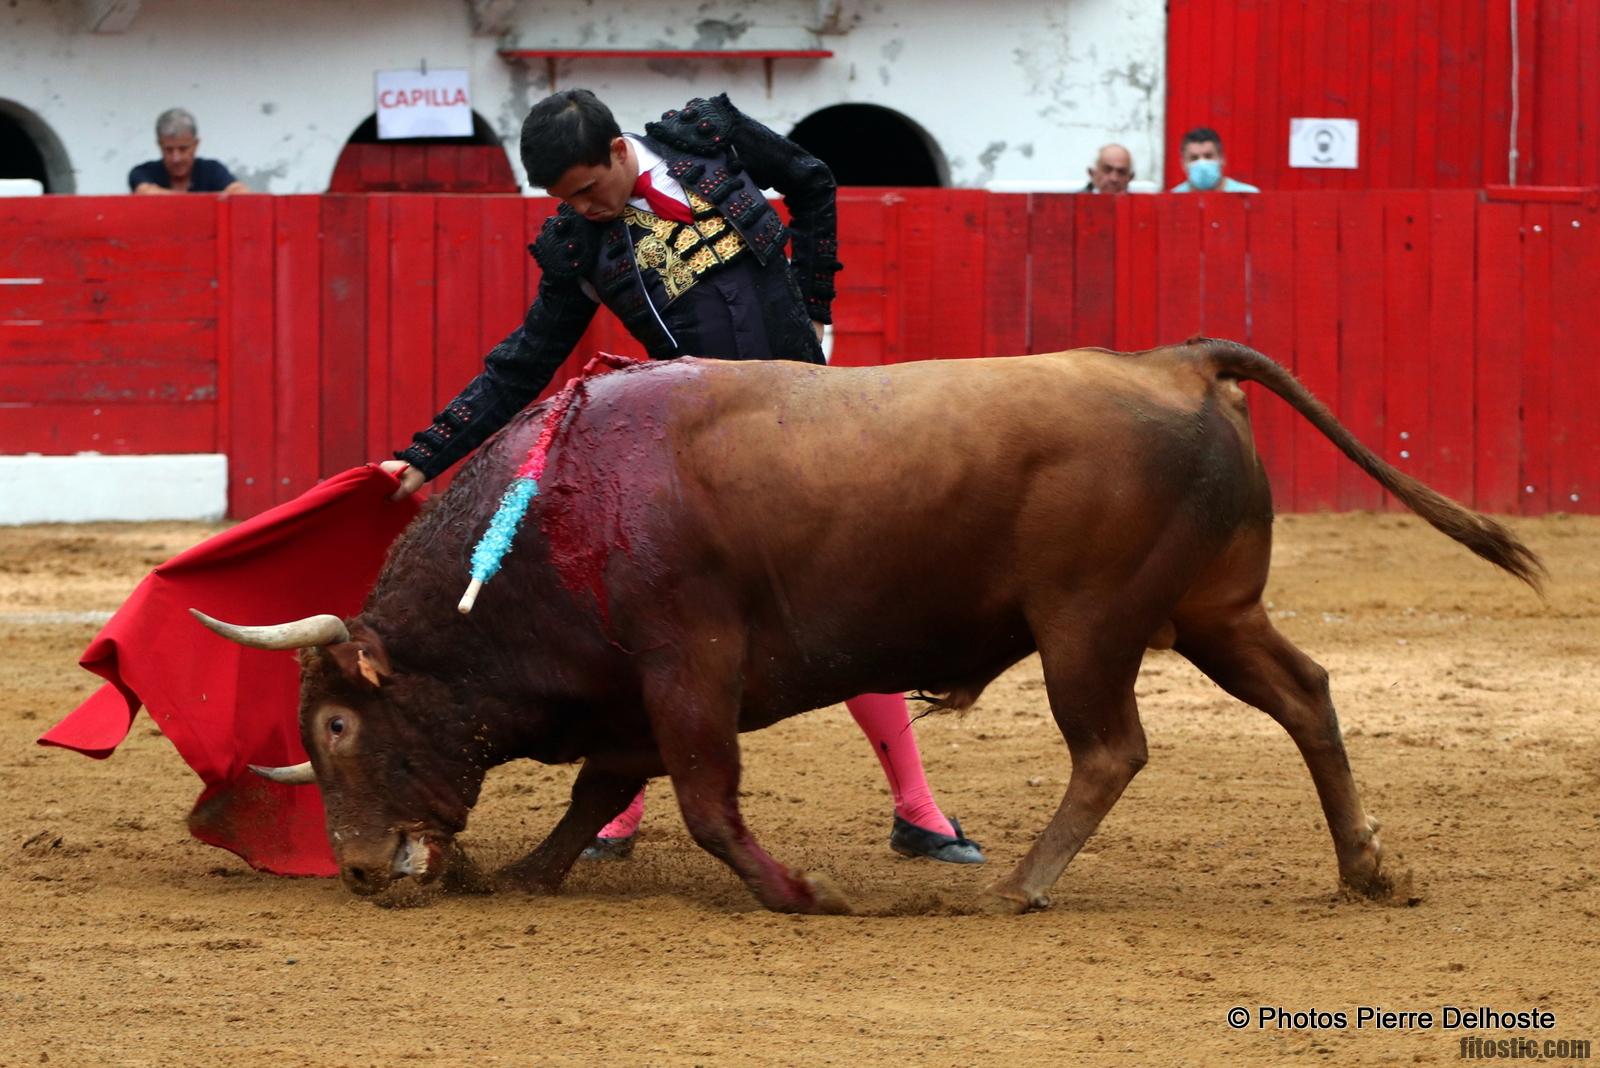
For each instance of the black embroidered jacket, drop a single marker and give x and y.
(724, 157)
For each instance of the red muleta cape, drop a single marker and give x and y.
(224, 706)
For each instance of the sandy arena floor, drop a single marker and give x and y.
(1470, 712)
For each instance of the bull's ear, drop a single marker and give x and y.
(362, 660)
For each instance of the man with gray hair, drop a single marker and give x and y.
(179, 170)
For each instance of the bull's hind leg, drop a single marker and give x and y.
(1244, 653)
(598, 795)
(1091, 697)
(695, 714)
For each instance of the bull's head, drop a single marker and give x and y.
(396, 779)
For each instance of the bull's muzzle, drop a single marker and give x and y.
(419, 856)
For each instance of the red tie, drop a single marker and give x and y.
(664, 206)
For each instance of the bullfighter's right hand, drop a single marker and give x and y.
(410, 478)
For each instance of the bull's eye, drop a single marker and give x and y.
(336, 725)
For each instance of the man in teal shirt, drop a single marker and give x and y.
(1203, 162)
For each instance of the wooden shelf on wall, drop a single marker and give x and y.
(768, 56)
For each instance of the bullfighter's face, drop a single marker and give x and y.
(599, 192)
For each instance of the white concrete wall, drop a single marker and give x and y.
(1013, 92)
(85, 488)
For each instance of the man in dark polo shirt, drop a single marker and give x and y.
(179, 170)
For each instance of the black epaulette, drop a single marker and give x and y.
(566, 246)
(701, 127)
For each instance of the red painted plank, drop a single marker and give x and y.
(1137, 265)
(1289, 98)
(1448, 447)
(1224, 239)
(376, 164)
(410, 167)
(458, 357)
(120, 218)
(1377, 143)
(1588, 88)
(1485, 157)
(383, 436)
(1497, 379)
(503, 265)
(1362, 359)
(1333, 80)
(1548, 89)
(1403, 376)
(1527, 133)
(1536, 361)
(441, 166)
(1094, 271)
(297, 312)
(1360, 49)
(1005, 276)
(1271, 125)
(1476, 89)
(1217, 43)
(43, 254)
(412, 271)
(150, 295)
(1440, 142)
(958, 324)
(1270, 223)
(1051, 285)
(1316, 343)
(343, 342)
(1575, 373)
(921, 282)
(1178, 276)
(180, 340)
(135, 381)
(1244, 132)
(116, 429)
(248, 387)
(1404, 170)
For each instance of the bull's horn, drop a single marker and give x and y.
(297, 775)
(301, 634)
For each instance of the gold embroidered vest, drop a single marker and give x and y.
(679, 253)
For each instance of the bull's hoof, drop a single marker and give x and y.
(826, 898)
(999, 902)
(1381, 884)
(1366, 875)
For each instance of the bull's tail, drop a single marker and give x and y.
(1476, 531)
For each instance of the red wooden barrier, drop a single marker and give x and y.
(302, 335)
(1429, 80)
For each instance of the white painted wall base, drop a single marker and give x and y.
(81, 489)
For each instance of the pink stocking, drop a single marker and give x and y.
(627, 824)
(882, 717)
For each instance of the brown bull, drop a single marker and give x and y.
(718, 546)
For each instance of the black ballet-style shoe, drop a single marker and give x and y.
(609, 849)
(909, 840)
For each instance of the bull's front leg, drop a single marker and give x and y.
(695, 714)
(598, 795)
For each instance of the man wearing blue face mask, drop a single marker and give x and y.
(1203, 163)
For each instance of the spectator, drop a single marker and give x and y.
(1112, 171)
(1203, 164)
(179, 170)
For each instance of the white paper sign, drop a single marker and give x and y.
(1324, 143)
(414, 104)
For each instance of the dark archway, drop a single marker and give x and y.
(864, 144)
(475, 164)
(30, 149)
